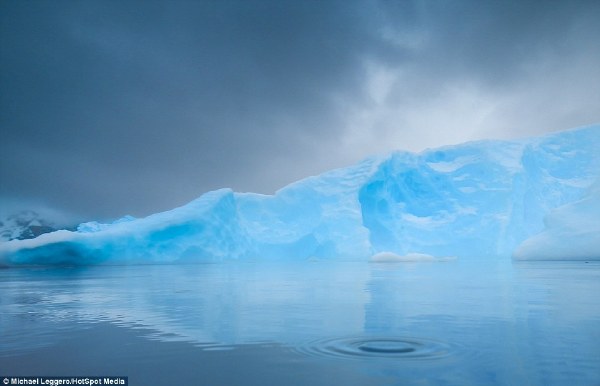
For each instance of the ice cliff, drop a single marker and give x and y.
(476, 200)
(571, 231)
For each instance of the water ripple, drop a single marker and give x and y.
(360, 347)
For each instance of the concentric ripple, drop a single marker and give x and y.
(377, 347)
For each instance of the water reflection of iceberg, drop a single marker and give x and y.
(472, 323)
(202, 304)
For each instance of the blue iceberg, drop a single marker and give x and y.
(477, 200)
(572, 232)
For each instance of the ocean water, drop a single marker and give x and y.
(307, 323)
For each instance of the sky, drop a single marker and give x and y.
(118, 107)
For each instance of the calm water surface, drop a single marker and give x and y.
(321, 323)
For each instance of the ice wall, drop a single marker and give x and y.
(572, 232)
(475, 200)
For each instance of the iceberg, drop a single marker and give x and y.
(572, 232)
(478, 200)
(95, 226)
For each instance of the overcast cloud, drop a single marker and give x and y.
(132, 107)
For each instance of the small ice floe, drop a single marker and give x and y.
(390, 257)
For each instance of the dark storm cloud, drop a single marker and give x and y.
(134, 101)
(483, 69)
(491, 40)
(114, 107)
